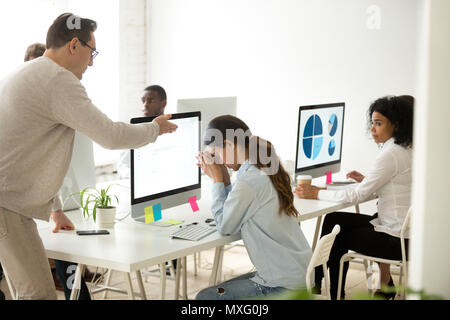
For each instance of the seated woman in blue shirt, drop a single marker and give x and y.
(259, 206)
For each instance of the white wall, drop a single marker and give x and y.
(276, 55)
(430, 256)
(20, 28)
(133, 57)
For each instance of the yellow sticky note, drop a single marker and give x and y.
(149, 215)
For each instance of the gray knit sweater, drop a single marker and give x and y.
(41, 106)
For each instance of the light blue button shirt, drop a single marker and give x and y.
(275, 244)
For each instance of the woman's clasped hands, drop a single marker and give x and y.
(213, 167)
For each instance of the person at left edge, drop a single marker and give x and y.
(36, 141)
(61, 270)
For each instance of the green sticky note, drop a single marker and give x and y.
(173, 222)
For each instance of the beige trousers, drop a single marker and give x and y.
(23, 257)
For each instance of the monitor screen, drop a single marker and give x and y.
(320, 131)
(167, 166)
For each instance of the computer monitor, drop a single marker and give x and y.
(81, 173)
(319, 142)
(210, 108)
(165, 172)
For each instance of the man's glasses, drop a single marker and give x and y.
(94, 52)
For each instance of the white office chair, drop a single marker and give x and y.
(401, 263)
(320, 256)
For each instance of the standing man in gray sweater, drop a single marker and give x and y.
(37, 128)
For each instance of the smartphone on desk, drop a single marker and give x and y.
(91, 232)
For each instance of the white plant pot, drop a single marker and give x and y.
(105, 217)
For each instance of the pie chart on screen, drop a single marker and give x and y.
(313, 137)
(331, 147)
(332, 125)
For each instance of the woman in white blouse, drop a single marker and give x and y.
(391, 124)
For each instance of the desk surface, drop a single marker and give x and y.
(132, 246)
(129, 247)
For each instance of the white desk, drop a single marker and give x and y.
(129, 247)
(132, 246)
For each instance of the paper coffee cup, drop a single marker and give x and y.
(304, 179)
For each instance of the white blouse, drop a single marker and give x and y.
(390, 178)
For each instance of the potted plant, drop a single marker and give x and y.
(103, 213)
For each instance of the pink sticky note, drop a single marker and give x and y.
(329, 177)
(193, 202)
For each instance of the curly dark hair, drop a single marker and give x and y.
(400, 112)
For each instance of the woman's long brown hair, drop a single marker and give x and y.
(280, 179)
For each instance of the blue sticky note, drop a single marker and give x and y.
(157, 211)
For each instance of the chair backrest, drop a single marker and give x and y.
(323, 248)
(321, 254)
(406, 224)
(405, 227)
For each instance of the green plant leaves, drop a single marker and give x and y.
(100, 199)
